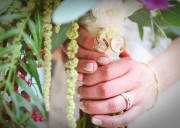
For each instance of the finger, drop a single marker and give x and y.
(86, 66)
(100, 58)
(111, 71)
(82, 53)
(64, 58)
(85, 39)
(105, 90)
(125, 54)
(118, 120)
(112, 105)
(65, 46)
(80, 77)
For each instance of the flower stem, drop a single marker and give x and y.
(84, 120)
(96, 126)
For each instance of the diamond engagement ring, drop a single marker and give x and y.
(129, 100)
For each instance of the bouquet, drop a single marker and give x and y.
(30, 31)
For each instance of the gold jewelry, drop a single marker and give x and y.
(156, 78)
(122, 48)
(101, 45)
(110, 41)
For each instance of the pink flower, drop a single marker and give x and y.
(155, 4)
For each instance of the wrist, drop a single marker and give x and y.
(166, 65)
(157, 80)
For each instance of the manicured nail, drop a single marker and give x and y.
(81, 105)
(77, 92)
(103, 60)
(96, 121)
(89, 67)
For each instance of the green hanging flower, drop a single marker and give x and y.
(72, 74)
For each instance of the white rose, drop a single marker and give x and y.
(107, 21)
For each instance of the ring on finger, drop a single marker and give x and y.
(129, 100)
(101, 45)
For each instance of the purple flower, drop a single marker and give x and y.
(155, 4)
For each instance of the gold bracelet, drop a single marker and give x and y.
(157, 81)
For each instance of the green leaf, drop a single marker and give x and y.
(33, 70)
(10, 17)
(172, 15)
(141, 17)
(31, 123)
(24, 66)
(175, 29)
(172, 31)
(26, 87)
(3, 67)
(25, 118)
(24, 103)
(31, 43)
(2, 83)
(59, 38)
(160, 24)
(141, 31)
(9, 33)
(10, 113)
(32, 28)
(4, 4)
(76, 8)
(38, 22)
(14, 98)
(6, 50)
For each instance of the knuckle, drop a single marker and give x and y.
(122, 102)
(88, 56)
(114, 106)
(87, 80)
(88, 41)
(105, 91)
(106, 72)
(137, 83)
(89, 107)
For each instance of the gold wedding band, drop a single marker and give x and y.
(122, 48)
(101, 45)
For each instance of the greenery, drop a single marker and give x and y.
(21, 56)
(27, 38)
(163, 22)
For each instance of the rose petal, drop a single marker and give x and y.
(155, 4)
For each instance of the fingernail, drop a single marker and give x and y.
(103, 60)
(96, 121)
(80, 77)
(81, 105)
(77, 92)
(89, 67)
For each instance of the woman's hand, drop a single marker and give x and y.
(104, 83)
(89, 60)
(101, 94)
